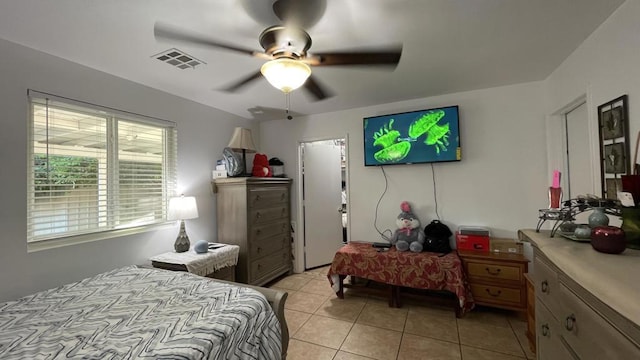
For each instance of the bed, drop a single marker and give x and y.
(144, 313)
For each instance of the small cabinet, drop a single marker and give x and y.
(496, 279)
(531, 313)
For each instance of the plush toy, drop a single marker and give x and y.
(261, 166)
(408, 235)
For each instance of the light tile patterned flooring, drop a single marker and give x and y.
(362, 327)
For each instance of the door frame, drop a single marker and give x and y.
(298, 227)
(556, 138)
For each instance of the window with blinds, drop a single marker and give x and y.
(95, 170)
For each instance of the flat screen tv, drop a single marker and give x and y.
(415, 137)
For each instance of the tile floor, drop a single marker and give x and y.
(362, 327)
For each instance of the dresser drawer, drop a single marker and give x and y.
(589, 335)
(267, 215)
(546, 285)
(549, 343)
(260, 232)
(498, 295)
(486, 271)
(268, 245)
(260, 197)
(267, 264)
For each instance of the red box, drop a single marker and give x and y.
(472, 242)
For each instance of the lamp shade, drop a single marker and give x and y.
(182, 208)
(242, 140)
(286, 74)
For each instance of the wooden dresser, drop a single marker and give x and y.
(496, 279)
(255, 214)
(586, 304)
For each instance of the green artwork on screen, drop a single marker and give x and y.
(437, 135)
(392, 151)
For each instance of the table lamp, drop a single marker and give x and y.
(242, 140)
(182, 208)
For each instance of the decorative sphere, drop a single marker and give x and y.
(608, 239)
(201, 246)
(582, 232)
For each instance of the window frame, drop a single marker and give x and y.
(112, 117)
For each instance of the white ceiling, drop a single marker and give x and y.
(448, 45)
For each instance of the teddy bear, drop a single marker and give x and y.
(408, 235)
(261, 166)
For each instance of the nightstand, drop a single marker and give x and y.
(496, 279)
(217, 263)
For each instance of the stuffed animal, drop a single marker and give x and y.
(408, 235)
(261, 166)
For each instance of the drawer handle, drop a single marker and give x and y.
(257, 197)
(259, 249)
(282, 196)
(258, 232)
(545, 330)
(259, 267)
(544, 286)
(569, 322)
(258, 215)
(497, 272)
(493, 294)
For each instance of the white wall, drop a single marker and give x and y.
(202, 134)
(500, 183)
(604, 67)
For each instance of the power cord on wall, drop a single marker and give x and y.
(383, 234)
(375, 219)
(435, 196)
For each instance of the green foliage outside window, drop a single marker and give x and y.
(57, 174)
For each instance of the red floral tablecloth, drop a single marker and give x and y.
(423, 270)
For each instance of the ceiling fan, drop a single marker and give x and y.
(286, 48)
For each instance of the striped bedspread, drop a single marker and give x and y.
(136, 313)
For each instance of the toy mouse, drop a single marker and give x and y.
(408, 235)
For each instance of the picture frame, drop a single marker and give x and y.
(613, 130)
(612, 123)
(612, 186)
(614, 159)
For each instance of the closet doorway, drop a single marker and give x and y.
(323, 168)
(578, 162)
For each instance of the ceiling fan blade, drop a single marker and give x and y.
(389, 57)
(318, 91)
(166, 32)
(237, 85)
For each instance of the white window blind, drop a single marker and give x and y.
(94, 169)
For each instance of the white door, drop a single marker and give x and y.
(322, 202)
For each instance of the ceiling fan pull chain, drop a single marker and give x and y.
(288, 104)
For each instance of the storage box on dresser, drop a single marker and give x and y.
(496, 279)
(573, 322)
(254, 213)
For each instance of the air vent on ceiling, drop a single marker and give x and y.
(178, 59)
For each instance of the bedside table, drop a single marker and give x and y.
(496, 279)
(217, 263)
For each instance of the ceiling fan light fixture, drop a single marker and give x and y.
(285, 74)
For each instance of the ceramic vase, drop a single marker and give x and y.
(598, 218)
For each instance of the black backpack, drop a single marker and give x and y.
(437, 237)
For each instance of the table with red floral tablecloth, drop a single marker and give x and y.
(425, 270)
